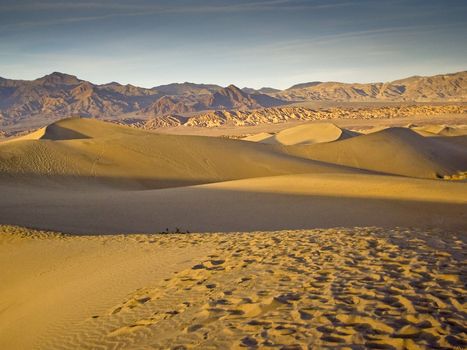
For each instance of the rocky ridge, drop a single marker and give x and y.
(284, 114)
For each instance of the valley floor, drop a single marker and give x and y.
(339, 288)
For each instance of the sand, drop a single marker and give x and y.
(271, 203)
(398, 151)
(85, 176)
(364, 244)
(306, 134)
(368, 288)
(441, 130)
(110, 155)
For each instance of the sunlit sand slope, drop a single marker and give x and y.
(359, 288)
(441, 130)
(306, 134)
(398, 151)
(94, 152)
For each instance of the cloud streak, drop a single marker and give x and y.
(219, 7)
(135, 10)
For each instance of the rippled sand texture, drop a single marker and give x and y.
(361, 288)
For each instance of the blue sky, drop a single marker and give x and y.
(251, 43)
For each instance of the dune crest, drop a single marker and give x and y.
(398, 151)
(306, 134)
(84, 149)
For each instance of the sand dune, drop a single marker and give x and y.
(305, 134)
(364, 288)
(441, 130)
(76, 128)
(83, 150)
(398, 151)
(85, 176)
(262, 137)
(356, 286)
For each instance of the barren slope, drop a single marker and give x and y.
(83, 149)
(398, 151)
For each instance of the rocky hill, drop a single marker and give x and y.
(446, 87)
(230, 97)
(284, 114)
(58, 95)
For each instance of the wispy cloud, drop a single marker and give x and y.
(171, 7)
(311, 43)
(113, 9)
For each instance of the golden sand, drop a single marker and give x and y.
(337, 288)
(304, 284)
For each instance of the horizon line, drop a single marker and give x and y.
(236, 85)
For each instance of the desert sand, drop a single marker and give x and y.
(313, 236)
(366, 287)
(306, 134)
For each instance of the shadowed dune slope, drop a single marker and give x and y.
(271, 203)
(82, 149)
(399, 151)
(304, 135)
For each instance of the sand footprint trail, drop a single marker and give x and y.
(369, 288)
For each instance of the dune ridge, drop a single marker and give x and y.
(75, 149)
(306, 134)
(399, 151)
(86, 176)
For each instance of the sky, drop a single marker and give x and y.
(252, 43)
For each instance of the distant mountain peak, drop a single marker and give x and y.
(59, 78)
(264, 90)
(232, 90)
(305, 85)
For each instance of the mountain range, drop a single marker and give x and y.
(446, 87)
(59, 95)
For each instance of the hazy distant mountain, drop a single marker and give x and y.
(174, 105)
(446, 87)
(59, 95)
(305, 85)
(230, 97)
(263, 90)
(187, 89)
